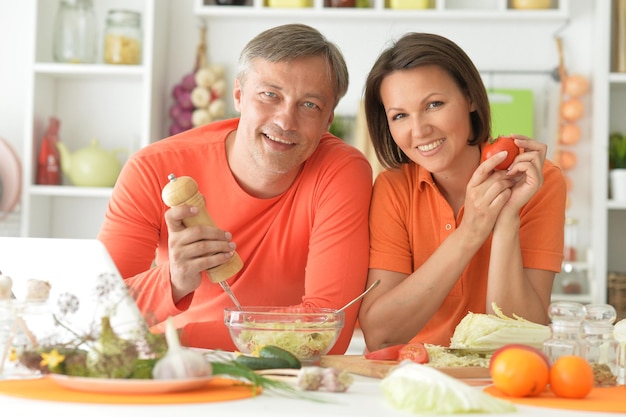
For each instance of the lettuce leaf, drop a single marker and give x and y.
(489, 332)
(421, 389)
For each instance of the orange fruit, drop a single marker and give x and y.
(519, 372)
(571, 377)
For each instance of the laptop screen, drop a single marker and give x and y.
(79, 271)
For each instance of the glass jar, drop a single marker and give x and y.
(619, 333)
(573, 279)
(567, 333)
(7, 318)
(24, 328)
(570, 240)
(122, 38)
(602, 349)
(74, 39)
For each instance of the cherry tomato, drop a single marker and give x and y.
(389, 353)
(415, 352)
(501, 143)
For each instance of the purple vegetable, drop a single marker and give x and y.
(184, 100)
(189, 81)
(175, 111)
(177, 90)
(175, 129)
(184, 119)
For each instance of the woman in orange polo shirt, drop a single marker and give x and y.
(449, 234)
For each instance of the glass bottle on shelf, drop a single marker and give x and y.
(602, 349)
(122, 38)
(573, 279)
(75, 32)
(566, 327)
(570, 240)
(48, 164)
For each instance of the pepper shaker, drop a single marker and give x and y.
(184, 190)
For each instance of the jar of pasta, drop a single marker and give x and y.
(122, 38)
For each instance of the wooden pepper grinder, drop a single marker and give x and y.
(184, 190)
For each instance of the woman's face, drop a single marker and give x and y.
(429, 117)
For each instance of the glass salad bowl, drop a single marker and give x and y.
(308, 333)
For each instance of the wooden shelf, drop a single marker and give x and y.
(379, 9)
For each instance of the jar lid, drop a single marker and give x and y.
(123, 17)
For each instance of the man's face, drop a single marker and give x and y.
(285, 108)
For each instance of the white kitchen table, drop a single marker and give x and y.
(364, 398)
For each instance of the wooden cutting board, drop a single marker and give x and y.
(357, 364)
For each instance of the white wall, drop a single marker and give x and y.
(531, 50)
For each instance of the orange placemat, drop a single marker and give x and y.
(601, 399)
(217, 389)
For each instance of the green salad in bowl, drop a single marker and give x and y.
(308, 333)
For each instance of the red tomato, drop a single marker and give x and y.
(389, 353)
(520, 346)
(415, 352)
(501, 143)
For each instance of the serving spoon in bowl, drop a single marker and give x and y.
(357, 298)
(371, 287)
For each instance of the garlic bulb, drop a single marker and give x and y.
(205, 77)
(218, 70)
(200, 97)
(180, 362)
(217, 108)
(200, 117)
(218, 88)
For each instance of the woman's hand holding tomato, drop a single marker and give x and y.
(524, 165)
(527, 172)
(499, 144)
(486, 193)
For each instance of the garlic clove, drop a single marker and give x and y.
(180, 362)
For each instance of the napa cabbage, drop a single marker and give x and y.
(421, 389)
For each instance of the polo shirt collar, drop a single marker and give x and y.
(424, 177)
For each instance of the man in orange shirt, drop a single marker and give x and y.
(288, 196)
(451, 234)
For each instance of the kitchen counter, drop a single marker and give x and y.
(364, 398)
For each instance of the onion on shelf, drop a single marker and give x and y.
(198, 97)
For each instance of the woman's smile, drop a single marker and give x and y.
(431, 146)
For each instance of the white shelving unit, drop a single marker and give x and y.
(453, 16)
(609, 98)
(447, 9)
(120, 105)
